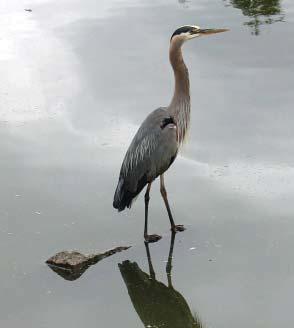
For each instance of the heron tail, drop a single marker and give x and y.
(122, 197)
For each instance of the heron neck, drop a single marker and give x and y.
(179, 107)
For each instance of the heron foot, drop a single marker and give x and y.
(178, 228)
(152, 238)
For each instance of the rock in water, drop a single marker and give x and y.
(71, 264)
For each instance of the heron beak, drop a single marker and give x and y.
(209, 31)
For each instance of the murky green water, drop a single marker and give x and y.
(76, 80)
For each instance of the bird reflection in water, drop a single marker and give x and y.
(261, 12)
(157, 304)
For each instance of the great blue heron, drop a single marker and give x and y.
(156, 143)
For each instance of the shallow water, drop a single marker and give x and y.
(76, 80)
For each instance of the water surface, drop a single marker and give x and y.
(76, 80)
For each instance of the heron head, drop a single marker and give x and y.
(188, 32)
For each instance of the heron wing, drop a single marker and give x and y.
(151, 152)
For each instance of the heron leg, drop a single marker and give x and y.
(163, 192)
(151, 270)
(170, 258)
(148, 238)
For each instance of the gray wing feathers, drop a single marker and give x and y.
(141, 148)
(151, 147)
(149, 155)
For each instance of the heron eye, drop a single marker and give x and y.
(195, 31)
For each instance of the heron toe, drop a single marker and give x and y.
(178, 227)
(152, 238)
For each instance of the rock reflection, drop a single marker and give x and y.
(261, 12)
(157, 304)
(69, 274)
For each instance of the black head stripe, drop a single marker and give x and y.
(183, 29)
